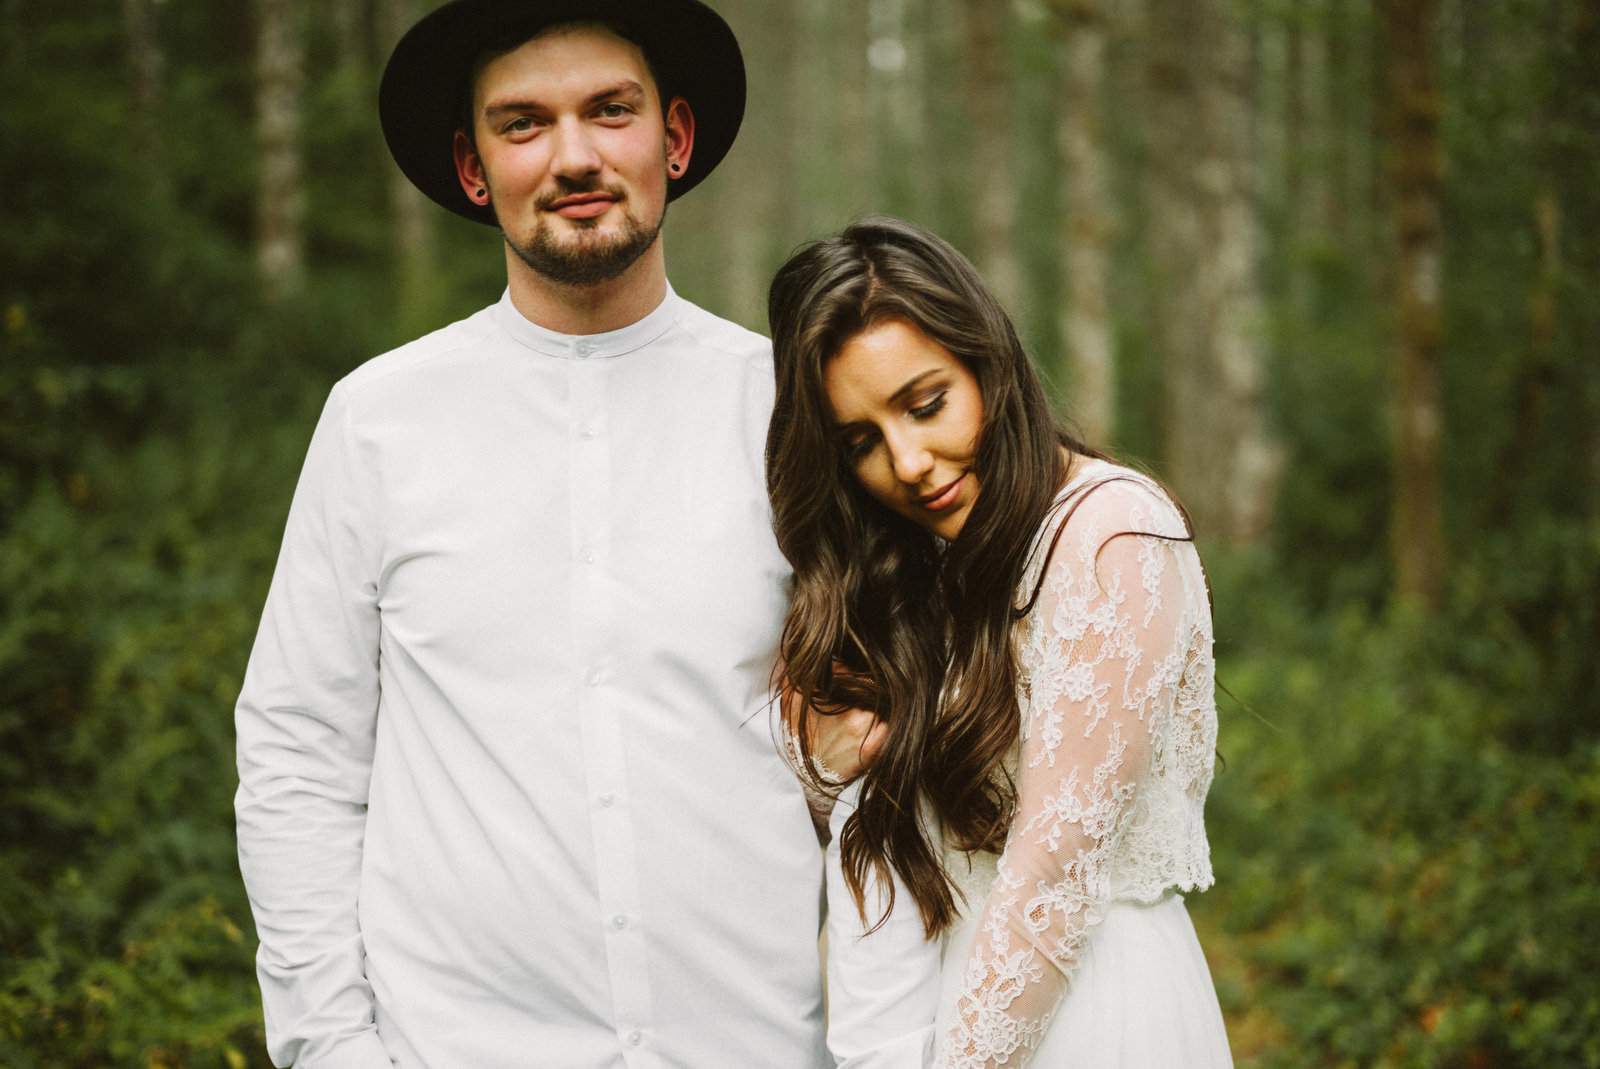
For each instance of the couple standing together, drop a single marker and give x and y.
(513, 791)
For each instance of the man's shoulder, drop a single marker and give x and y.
(464, 335)
(722, 335)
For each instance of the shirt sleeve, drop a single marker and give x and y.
(883, 985)
(306, 722)
(1105, 649)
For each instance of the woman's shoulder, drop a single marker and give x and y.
(1110, 498)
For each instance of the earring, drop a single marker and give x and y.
(482, 194)
(677, 167)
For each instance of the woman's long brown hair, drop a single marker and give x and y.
(883, 616)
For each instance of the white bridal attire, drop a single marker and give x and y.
(1073, 947)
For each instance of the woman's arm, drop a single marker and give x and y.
(1105, 647)
(883, 984)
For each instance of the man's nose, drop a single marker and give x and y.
(575, 154)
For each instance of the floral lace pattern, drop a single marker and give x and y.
(1119, 731)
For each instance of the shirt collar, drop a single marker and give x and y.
(588, 346)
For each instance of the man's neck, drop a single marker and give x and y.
(612, 305)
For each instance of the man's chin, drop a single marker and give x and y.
(583, 256)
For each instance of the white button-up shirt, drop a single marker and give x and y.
(508, 789)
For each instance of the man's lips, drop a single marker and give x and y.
(942, 498)
(582, 205)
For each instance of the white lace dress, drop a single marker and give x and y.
(1074, 947)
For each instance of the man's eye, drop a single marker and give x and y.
(614, 111)
(930, 408)
(520, 125)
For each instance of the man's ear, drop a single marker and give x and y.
(680, 136)
(469, 169)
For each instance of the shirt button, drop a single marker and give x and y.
(586, 434)
(584, 348)
(588, 558)
(607, 799)
(593, 678)
(635, 1038)
(619, 922)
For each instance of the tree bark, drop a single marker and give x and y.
(1087, 220)
(1415, 179)
(748, 191)
(146, 90)
(1205, 240)
(280, 204)
(990, 170)
(416, 276)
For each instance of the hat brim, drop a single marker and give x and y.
(422, 98)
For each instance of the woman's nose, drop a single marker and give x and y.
(910, 458)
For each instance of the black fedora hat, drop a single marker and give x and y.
(423, 98)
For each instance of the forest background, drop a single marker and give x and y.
(1330, 267)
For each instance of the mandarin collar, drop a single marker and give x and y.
(612, 343)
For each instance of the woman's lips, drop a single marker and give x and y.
(943, 498)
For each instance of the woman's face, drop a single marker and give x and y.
(907, 415)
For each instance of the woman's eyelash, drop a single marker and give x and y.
(931, 408)
(857, 448)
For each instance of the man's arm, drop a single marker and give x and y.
(306, 719)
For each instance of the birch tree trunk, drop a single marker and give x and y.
(1087, 220)
(991, 175)
(280, 201)
(1205, 241)
(1415, 178)
(415, 272)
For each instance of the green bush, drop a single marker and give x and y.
(1408, 884)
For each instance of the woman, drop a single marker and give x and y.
(1030, 623)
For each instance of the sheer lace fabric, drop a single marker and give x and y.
(1115, 684)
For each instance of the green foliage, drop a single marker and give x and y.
(1405, 884)
(1406, 831)
(129, 590)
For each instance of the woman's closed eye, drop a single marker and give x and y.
(858, 446)
(929, 408)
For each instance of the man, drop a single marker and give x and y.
(508, 794)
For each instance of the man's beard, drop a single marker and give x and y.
(586, 259)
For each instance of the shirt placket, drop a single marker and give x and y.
(610, 806)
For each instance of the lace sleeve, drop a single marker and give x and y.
(1099, 661)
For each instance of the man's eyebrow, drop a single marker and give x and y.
(627, 89)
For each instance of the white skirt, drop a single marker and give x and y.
(1141, 997)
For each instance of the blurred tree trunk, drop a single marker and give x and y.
(1205, 240)
(416, 275)
(1415, 177)
(349, 36)
(1087, 219)
(815, 131)
(749, 191)
(280, 202)
(991, 174)
(1306, 134)
(1574, 243)
(1349, 96)
(146, 91)
(855, 103)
